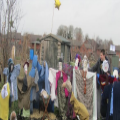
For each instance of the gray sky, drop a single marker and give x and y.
(95, 17)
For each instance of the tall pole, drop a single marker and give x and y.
(0, 21)
(52, 19)
(0, 15)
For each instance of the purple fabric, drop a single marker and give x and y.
(70, 113)
(68, 69)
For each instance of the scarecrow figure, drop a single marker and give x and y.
(39, 74)
(12, 73)
(85, 69)
(25, 86)
(62, 93)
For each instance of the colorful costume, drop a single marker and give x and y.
(58, 74)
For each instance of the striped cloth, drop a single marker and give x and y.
(86, 99)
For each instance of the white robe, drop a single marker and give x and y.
(52, 79)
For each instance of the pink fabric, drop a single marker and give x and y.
(74, 115)
(76, 67)
(65, 77)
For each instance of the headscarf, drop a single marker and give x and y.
(10, 62)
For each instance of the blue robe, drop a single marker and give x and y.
(43, 83)
(116, 101)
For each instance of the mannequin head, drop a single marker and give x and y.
(85, 61)
(60, 64)
(25, 69)
(25, 66)
(77, 60)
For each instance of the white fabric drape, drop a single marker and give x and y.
(74, 85)
(52, 79)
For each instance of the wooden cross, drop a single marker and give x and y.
(46, 106)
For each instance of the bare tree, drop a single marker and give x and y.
(62, 31)
(70, 32)
(86, 37)
(78, 34)
(110, 42)
(10, 15)
(105, 43)
(99, 42)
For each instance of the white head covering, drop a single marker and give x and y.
(115, 73)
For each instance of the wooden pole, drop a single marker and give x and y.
(52, 19)
(35, 48)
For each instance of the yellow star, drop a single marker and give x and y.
(57, 4)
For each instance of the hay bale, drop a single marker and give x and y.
(37, 115)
